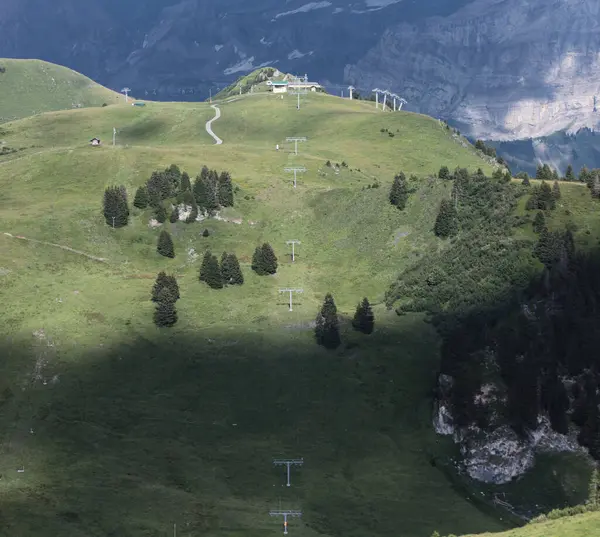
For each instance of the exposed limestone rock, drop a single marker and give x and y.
(510, 69)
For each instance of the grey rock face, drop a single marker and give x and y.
(509, 69)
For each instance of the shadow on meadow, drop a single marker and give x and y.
(178, 428)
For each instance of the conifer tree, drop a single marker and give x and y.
(257, 262)
(526, 181)
(235, 271)
(539, 222)
(584, 174)
(165, 245)
(507, 177)
(327, 331)
(444, 173)
(364, 320)
(214, 278)
(539, 172)
(498, 174)
(556, 190)
(205, 265)
(116, 211)
(269, 259)
(545, 199)
(165, 314)
(160, 213)
(186, 185)
(141, 198)
(164, 281)
(174, 217)
(225, 269)
(225, 190)
(570, 175)
(399, 191)
(446, 223)
(205, 233)
(161, 282)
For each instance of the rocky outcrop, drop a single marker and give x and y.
(501, 69)
(497, 454)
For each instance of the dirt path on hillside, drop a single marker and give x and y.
(209, 123)
(62, 247)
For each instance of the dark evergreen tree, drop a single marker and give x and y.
(225, 190)
(545, 197)
(269, 259)
(159, 186)
(230, 270)
(173, 177)
(556, 190)
(161, 282)
(173, 286)
(174, 217)
(570, 175)
(204, 268)
(498, 174)
(225, 269)
(116, 211)
(327, 331)
(160, 213)
(257, 262)
(446, 223)
(165, 245)
(205, 233)
(444, 173)
(141, 198)
(540, 172)
(526, 180)
(364, 320)
(164, 281)
(539, 222)
(584, 174)
(165, 314)
(186, 185)
(399, 191)
(214, 278)
(235, 271)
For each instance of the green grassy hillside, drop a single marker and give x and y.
(30, 87)
(123, 428)
(584, 525)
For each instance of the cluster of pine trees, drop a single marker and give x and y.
(164, 294)
(399, 191)
(327, 324)
(167, 189)
(545, 348)
(543, 197)
(264, 260)
(116, 209)
(218, 275)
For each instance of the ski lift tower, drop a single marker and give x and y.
(285, 513)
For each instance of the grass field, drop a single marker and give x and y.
(125, 429)
(30, 87)
(586, 525)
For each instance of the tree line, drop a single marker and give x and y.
(165, 191)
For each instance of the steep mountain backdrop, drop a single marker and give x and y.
(501, 70)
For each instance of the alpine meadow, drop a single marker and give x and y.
(154, 362)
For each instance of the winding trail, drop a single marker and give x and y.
(67, 248)
(218, 140)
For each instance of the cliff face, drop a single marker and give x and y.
(501, 69)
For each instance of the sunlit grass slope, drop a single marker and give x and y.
(29, 87)
(122, 428)
(586, 525)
